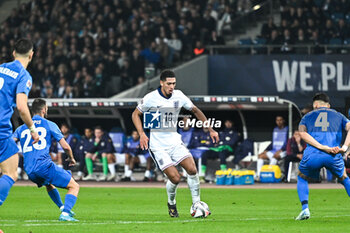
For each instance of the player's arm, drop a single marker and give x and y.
(21, 102)
(313, 142)
(200, 116)
(136, 119)
(68, 150)
(345, 149)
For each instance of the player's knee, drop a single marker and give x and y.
(192, 170)
(175, 179)
(104, 154)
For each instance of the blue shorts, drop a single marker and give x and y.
(310, 165)
(8, 148)
(50, 173)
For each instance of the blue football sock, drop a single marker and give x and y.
(69, 202)
(6, 183)
(303, 192)
(55, 197)
(346, 183)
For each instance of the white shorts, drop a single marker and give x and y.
(142, 159)
(270, 154)
(119, 158)
(170, 157)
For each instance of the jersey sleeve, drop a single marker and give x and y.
(344, 121)
(55, 131)
(303, 121)
(187, 103)
(25, 83)
(145, 104)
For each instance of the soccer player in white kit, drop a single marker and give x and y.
(166, 146)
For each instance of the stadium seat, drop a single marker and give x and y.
(259, 41)
(246, 41)
(259, 147)
(347, 18)
(318, 3)
(118, 141)
(336, 16)
(347, 41)
(335, 41)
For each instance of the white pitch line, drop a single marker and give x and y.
(57, 223)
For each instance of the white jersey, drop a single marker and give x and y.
(169, 108)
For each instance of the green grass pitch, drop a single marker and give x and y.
(29, 209)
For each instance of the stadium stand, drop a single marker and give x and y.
(96, 48)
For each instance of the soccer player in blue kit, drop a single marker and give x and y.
(15, 84)
(38, 164)
(322, 130)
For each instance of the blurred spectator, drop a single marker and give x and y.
(199, 49)
(229, 137)
(102, 149)
(85, 144)
(277, 149)
(295, 148)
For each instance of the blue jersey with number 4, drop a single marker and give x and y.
(326, 126)
(14, 79)
(38, 152)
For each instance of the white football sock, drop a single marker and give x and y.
(171, 191)
(147, 174)
(259, 165)
(193, 184)
(111, 168)
(80, 173)
(273, 161)
(128, 173)
(60, 165)
(126, 169)
(19, 170)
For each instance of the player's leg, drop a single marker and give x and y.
(146, 159)
(207, 155)
(192, 178)
(104, 167)
(111, 158)
(54, 195)
(336, 166)
(89, 166)
(222, 156)
(81, 168)
(69, 201)
(164, 162)
(9, 176)
(309, 168)
(127, 171)
(261, 157)
(171, 187)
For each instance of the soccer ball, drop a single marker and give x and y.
(200, 210)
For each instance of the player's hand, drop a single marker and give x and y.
(71, 161)
(144, 141)
(331, 150)
(93, 158)
(35, 137)
(214, 136)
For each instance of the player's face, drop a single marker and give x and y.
(228, 124)
(98, 133)
(168, 86)
(135, 135)
(88, 133)
(279, 122)
(64, 129)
